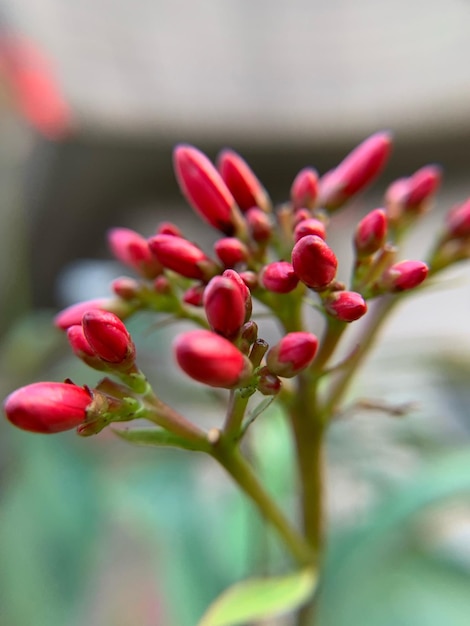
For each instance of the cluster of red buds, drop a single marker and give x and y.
(278, 256)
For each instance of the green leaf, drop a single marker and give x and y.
(157, 437)
(260, 598)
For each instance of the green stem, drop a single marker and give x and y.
(233, 462)
(339, 386)
(235, 414)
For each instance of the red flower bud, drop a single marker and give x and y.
(346, 306)
(279, 277)
(314, 262)
(162, 285)
(292, 354)
(244, 290)
(225, 306)
(72, 315)
(211, 359)
(403, 276)
(312, 226)
(194, 295)
(82, 349)
(125, 287)
(182, 256)
(304, 190)
(356, 171)
(458, 221)
(168, 228)
(259, 224)
(268, 384)
(300, 215)
(48, 407)
(231, 251)
(371, 233)
(133, 250)
(108, 337)
(242, 182)
(204, 188)
(422, 185)
(250, 279)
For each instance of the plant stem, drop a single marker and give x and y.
(233, 462)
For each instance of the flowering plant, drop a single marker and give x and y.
(277, 258)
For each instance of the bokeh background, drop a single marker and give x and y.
(93, 96)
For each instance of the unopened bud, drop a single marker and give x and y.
(211, 359)
(133, 250)
(346, 306)
(300, 215)
(356, 171)
(422, 186)
(168, 228)
(292, 354)
(242, 182)
(82, 349)
(279, 277)
(162, 285)
(312, 226)
(250, 279)
(125, 287)
(304, 190)
(194, 295)
(231, 251)
(204, 188)
(314, 262)
(268, 383)
(108, 338)
(48, 407)
(403, 276)
(182, 256)
(225, 306)
(457, 225)
(244, 291)
(371, 233)
(259, 224)
(72, 315)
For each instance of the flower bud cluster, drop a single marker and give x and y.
(275, 255)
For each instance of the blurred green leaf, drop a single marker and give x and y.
(260, 598)
(385, 572)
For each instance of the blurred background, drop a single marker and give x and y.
(93, 96)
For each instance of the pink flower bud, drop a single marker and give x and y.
(72, 315)
(231, 251)
(182, 256)
(458, 221)
(225, 306)
(194, 295)
(403, 276)
(133, 250)
(162, 285)
(48, 407)
(211, 359)
(242, 182)
(422, 185)
(314, 262)
(204, 188)
(250, 279)
(346, 306)
(168, 228)
(279, 277)
(259, 224)
(312, 226)
(292, 354)
(244, 290)
(356, 171)
(371, 233)
(268, 384)
(108, 337)
(125, 287)
(300, 215)
(304, 190)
